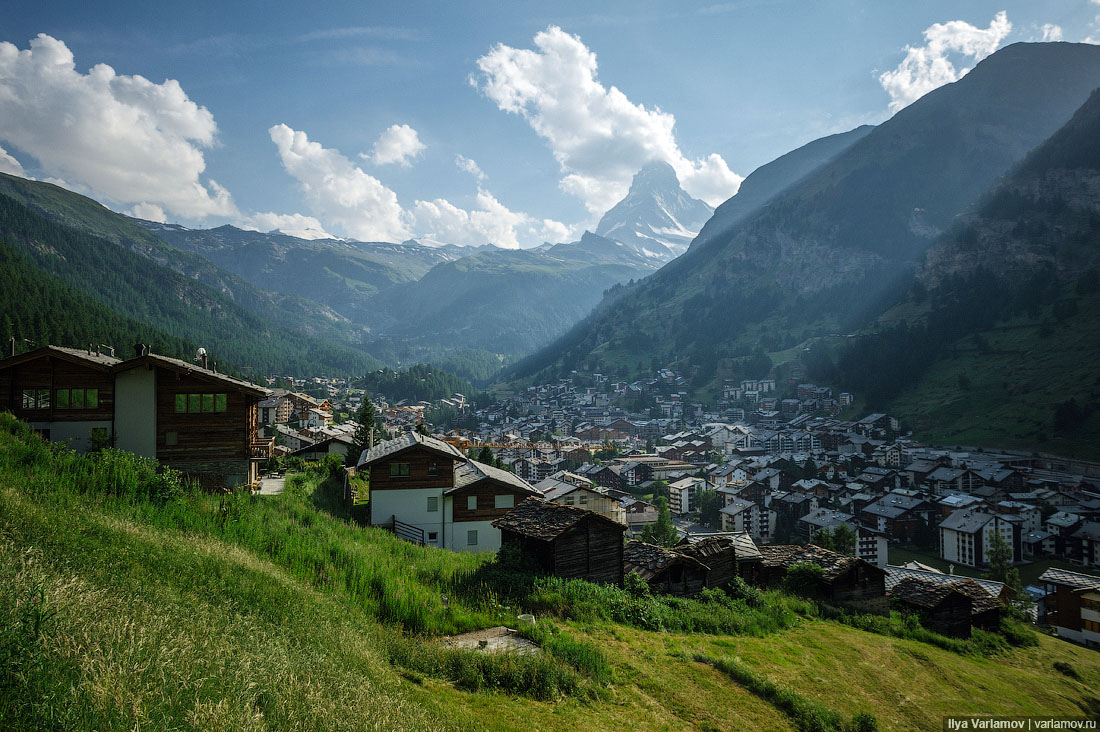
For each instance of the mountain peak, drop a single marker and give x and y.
(657, 218)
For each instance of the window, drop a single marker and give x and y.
(399, 470)
(471, 503)
(76, 398)
(171, 438)
(433, 503)
(1092, 625)
(505, 501)
(433, 536)
(62, 399)
(471, 537)
(432, 469)
(583, 499)
(192, 403)
(36, 399)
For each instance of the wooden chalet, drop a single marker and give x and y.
(565, 541)
(847, 581)
(188, 417)
(664, 570)
(944, 608)
(426, 491)
(64, 394)
(1072, 605)
(728, 555)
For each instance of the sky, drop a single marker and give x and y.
(462, 122)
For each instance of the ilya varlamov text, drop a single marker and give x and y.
(955, 724)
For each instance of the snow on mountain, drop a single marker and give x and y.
(658, 219)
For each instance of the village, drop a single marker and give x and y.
(683, 496)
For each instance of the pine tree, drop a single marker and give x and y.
(363, 432)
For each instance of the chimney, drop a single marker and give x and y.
(139, 350)
(11, 350)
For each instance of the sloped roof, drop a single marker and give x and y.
(648, 560)
(404, 442)
(472, 471)
(78, 355)
(192, 369)
(895, 575)
(544, 520)
(776, 555)
(834, 564)
(923, 593)
(1075, 580)
(705, 545)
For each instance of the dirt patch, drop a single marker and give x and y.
(493, 640)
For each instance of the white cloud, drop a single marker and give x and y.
(354, 203)
(928, 67)
(149, 212)
(398, 144)
(124, 138)
(466, 164)
(1052, 32)
(598, 136)
(10, 165)
(341, 193)
(303, 227)
(491, 222)
(555, 232)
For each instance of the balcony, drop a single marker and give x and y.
(261, 449)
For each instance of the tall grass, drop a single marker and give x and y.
(805, 714)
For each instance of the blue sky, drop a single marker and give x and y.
(460, 121)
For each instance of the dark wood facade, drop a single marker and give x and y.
(426, 468)
(565, 541)
(665, 571)
(47, 372)
(486, 492)
(217, 446)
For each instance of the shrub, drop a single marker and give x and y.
(1064, 668)
(635, 586)
(804, 579)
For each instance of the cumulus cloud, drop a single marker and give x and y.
(398, 144)
(339, 191)
(303, 227)
(1052, 32)
(124, 138)
(149, 212)
(359, 205)
(490, 222)
(598, 136)
(11, 166)
(466, 164)
(928, 67)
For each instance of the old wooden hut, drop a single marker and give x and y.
(985, 610)
(944, 608)
(565, 541)
(847, 581)
(665, 570)
(728, 555)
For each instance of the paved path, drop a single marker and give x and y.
(271, 485)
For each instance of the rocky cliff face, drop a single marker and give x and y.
(658, 219)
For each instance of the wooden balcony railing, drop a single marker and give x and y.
(261, 448)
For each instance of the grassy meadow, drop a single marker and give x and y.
(130, 601)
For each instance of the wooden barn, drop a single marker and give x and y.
(666, 571)
(943, 608)
(728, 555)
(985, 610)
(847, 581)
(565, 541)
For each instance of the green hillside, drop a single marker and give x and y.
(127, 601)
(82, 214)
(836, 248)
(138, 289)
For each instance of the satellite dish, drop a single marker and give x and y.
(199, 354)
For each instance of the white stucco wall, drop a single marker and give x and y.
(411, 507)
(76, 434)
